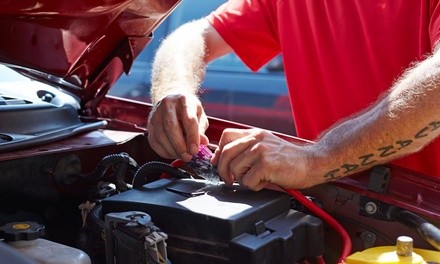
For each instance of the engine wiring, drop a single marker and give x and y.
(347, 245)
(179, 169)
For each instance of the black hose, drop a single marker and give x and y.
(111, 160)
(152, 170)
(93, 242)
(120, 173)
(428, 231)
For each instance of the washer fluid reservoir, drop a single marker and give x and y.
(25, 237)
(403, 252)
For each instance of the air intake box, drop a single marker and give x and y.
(223, 224)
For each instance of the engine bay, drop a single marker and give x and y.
(91, 190)
(82, 190)
(79, 182)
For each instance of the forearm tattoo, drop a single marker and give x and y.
(380, 153)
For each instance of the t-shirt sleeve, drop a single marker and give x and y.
(250, 28)
(434, 24)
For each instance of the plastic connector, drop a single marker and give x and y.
(202, 166)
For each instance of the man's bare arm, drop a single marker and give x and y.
(402, 122)
(180, 62)
(177, 121)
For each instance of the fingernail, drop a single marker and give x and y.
(186, 156)
(194, 149)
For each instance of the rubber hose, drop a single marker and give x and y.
(120, 183)
(144, 174)
(95, 244)
(108, 161)
(428, 231)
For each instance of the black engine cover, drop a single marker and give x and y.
(223, 224)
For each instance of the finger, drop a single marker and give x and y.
(247, 171)
(203, 126)
(230, 152)
(240, 165)
(157, 136)
(254, 179)
(228, 135)
(190, 124)
(175, 142)
(216, 156)
(238, 174)
(204, 139)
(157, 146)
(227, 177)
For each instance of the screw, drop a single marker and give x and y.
(369, 238)
(370, 208)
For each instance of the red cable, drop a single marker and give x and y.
(346, 248)
(320, 260)
(176, 164)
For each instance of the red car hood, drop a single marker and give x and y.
(82, 46)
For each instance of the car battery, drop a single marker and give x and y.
(216, 223)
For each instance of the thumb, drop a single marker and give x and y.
(204, 139)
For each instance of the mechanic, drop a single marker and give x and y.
(363, 78)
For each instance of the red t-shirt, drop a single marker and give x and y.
(339, 56)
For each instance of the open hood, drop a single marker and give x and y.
(80, 46)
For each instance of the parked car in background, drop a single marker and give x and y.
(230, 90)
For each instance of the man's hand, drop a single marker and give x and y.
(176, 126)
(177, 122)
(256, 158)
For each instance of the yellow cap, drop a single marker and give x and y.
(404, 246)
(383, 255)
(403, 252)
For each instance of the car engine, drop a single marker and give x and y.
(91, 190)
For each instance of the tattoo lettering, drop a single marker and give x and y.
(331, 175)
(386, 151)
(435, 125)
(383, 152)
(404, 143)
(365, 159)
(422, 133)
(349, 167)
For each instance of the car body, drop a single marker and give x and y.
(230, 90)
(77, 161)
